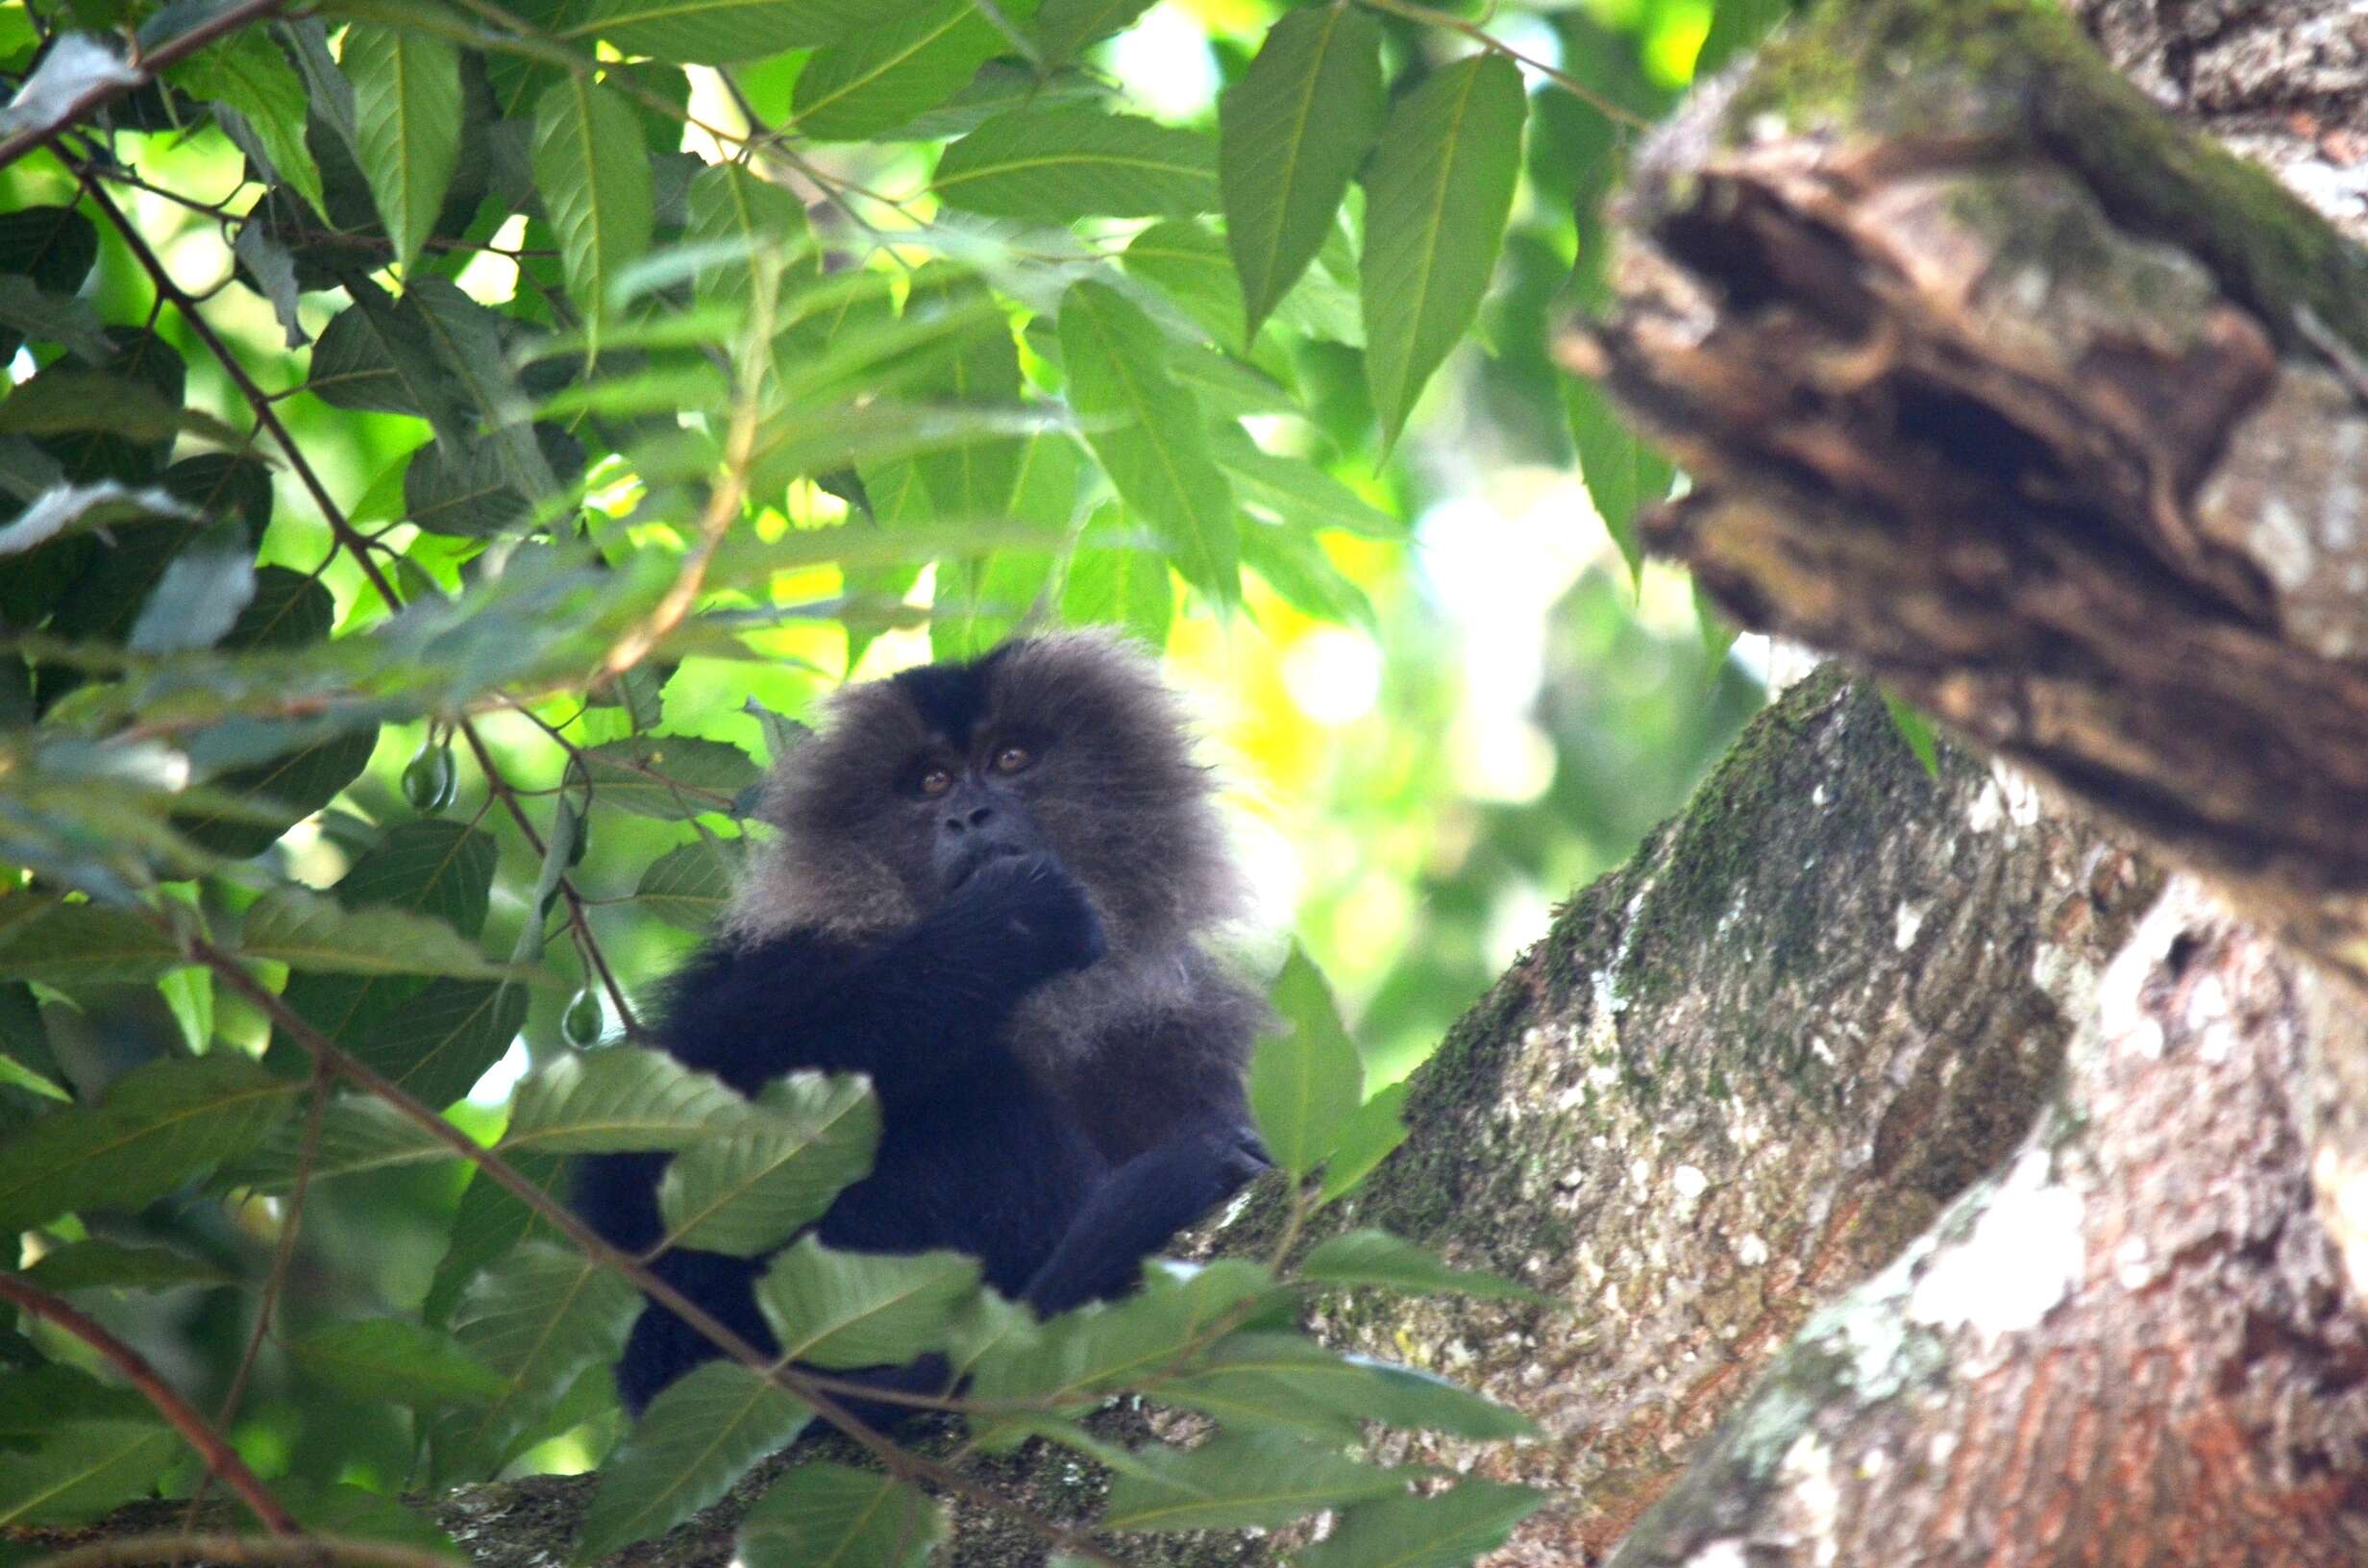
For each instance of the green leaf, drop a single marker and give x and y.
(101, 1264)
(1291, 133)
(1149, 433)
(717, 32)
(862, 1308)
(1736, 25)
(358, 1134)
(760, 225)
(1372, 1131)
(247, 74)
(440, 1040)
(1292, 490)
(375, 356)
(1295, 566)
(1116, 579)
(1287, 1380)
(1445, 1531)
(688, 886)
(293, 786)
(833, 1517)
(387, 1360)
(1438, 191)
(593, 172)
(1089, 1354)
(1239, 1481)
(971, 480)
(307, 932)
(877, 77)
(596, 1102)
(71, 944)
(1058, 165)
(1064, 26)
(697, 1438)
(490, 1224)
(407, 124)
(671, 777)
(1304, 1082)
(54, 246)
(355, 1514)
(159, 1126)
(1622, 474)
(81, 1469)
(748, 1189)
(537, 1318)
(1378, 1258)
(1915, 729)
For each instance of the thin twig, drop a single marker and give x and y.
(221, 1459)
(343, 531)
(145, 70)
(898, 1460)
(281, 1255)
(1572, 84)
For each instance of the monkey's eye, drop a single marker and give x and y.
(1012, 758)
(936, 782)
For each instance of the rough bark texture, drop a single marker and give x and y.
(2133, 1346)
(2052, 415)
(1741, 1072)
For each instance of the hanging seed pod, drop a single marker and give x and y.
(432, 779)
(581, 1024)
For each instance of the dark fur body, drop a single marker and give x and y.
(1015, 964)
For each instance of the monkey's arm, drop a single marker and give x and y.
(915, 1010)
(1145, 1202)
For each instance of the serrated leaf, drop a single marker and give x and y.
(879, 77)
(491, 1222)
(81, 1469)
(373, 356)
(749, 1188)
(69, 944)
(443, 1037)
(592, 170)
(1377, 1258)
(835, 1309)
(1238, 1479)
(971, 480)
(718, 31)
(295, 786)
(1086, 1354)
(1367, 1139)
(1059, 164)
(305, 932)
(247, 73)
(1621, 474)
(832, 1516)
(1291, 133)
(54, 246)
(697, 1436)
(538, 1318)
(598, 1102)
(763, 226)
(467, 492)
(671, 777)
(381, 1360)
(159, 1126)
(1437, 191)
(200, 595)
(357, 1133)
(407, 124)
(1295, 567)
(1062, 27)
(1149, 433)
(688, 886)
(1292, 490)
(101, 1264)
(1305, 1081)
(1444, 1531)
(1287, 1380)
(1116, 579)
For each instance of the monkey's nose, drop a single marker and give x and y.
(960, 822)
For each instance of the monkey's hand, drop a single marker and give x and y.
(1034, 910)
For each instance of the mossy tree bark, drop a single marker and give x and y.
(2054, 416)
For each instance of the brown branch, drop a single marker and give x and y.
(244, 1551)
(145, 68)
(816, 1392)
(221, 1459)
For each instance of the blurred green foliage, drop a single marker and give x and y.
(446, 446)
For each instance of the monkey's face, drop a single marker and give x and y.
(1068, 745)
